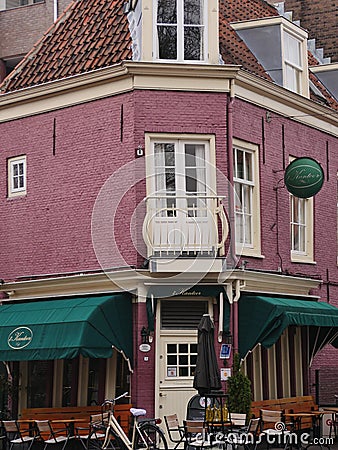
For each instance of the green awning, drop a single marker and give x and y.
(262, 320)
(66, 327)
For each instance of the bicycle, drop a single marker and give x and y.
(146, 434)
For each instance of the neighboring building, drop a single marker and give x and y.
(320, 21)
(22, 24)
(142, 168)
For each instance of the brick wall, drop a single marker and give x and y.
(320, 18)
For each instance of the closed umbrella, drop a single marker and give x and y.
(207, 377)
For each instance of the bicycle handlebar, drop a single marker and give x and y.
(113, 401)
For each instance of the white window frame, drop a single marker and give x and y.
(292, 70)
(303, 224)
(180, 34)
(253, 248)
(13, 164)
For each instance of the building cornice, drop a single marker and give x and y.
(129, 76)
(133, 280)
(283, 102)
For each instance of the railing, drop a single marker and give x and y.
(185, 225)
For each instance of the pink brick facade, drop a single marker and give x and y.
(89, 149)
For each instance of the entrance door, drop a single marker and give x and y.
(181, 208)
(175, 373)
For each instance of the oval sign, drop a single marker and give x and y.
(144, 348)
(304, 177)
(20, 338)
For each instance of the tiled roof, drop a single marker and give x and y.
(92, 34)
(89, 35)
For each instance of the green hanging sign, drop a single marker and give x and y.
(304, 177)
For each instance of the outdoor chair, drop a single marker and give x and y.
(50, 437)
(17, 437)
(274, 428)
(238, 421)
(334, 425)
(246, 437)
(196, 434)
(92, 436)
(175, 430)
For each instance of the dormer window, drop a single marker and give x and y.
(180, 30)
(281, 47)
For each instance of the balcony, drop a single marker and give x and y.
(187, 226)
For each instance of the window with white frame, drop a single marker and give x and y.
(181, 30)
(301, 223)
(247, 210)
(17, 176)
(293, 66)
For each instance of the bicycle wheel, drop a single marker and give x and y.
(153, 438)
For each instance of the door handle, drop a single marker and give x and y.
(162, 395)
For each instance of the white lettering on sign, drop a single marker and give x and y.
(20, 338)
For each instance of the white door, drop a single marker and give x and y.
(181, 207)
(177, 360)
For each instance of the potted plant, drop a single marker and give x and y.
(239, 389)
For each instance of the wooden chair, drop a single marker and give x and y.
(238, 421)
(175, 430)
(91, 437)
(272, 425)
(246, 437)
(17, 437)
(51, 437)
(196, 434)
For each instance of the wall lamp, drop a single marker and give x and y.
(146, 336)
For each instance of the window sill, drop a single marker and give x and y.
(302, 259)
(249, 252)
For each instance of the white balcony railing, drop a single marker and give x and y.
(185, 225)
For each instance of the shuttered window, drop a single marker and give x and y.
(182, 314)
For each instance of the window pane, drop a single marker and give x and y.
(170, 179)
(191, 181)
(193, 12)
(193, 43)
(193, 348)
(183, 360)
(171, 360)
(248, 166)
(292, 49)
(183, 372)
(194, 155)
(166, 11)
(183, 348)
(167, 42)
(171, 348)
(239, 172)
